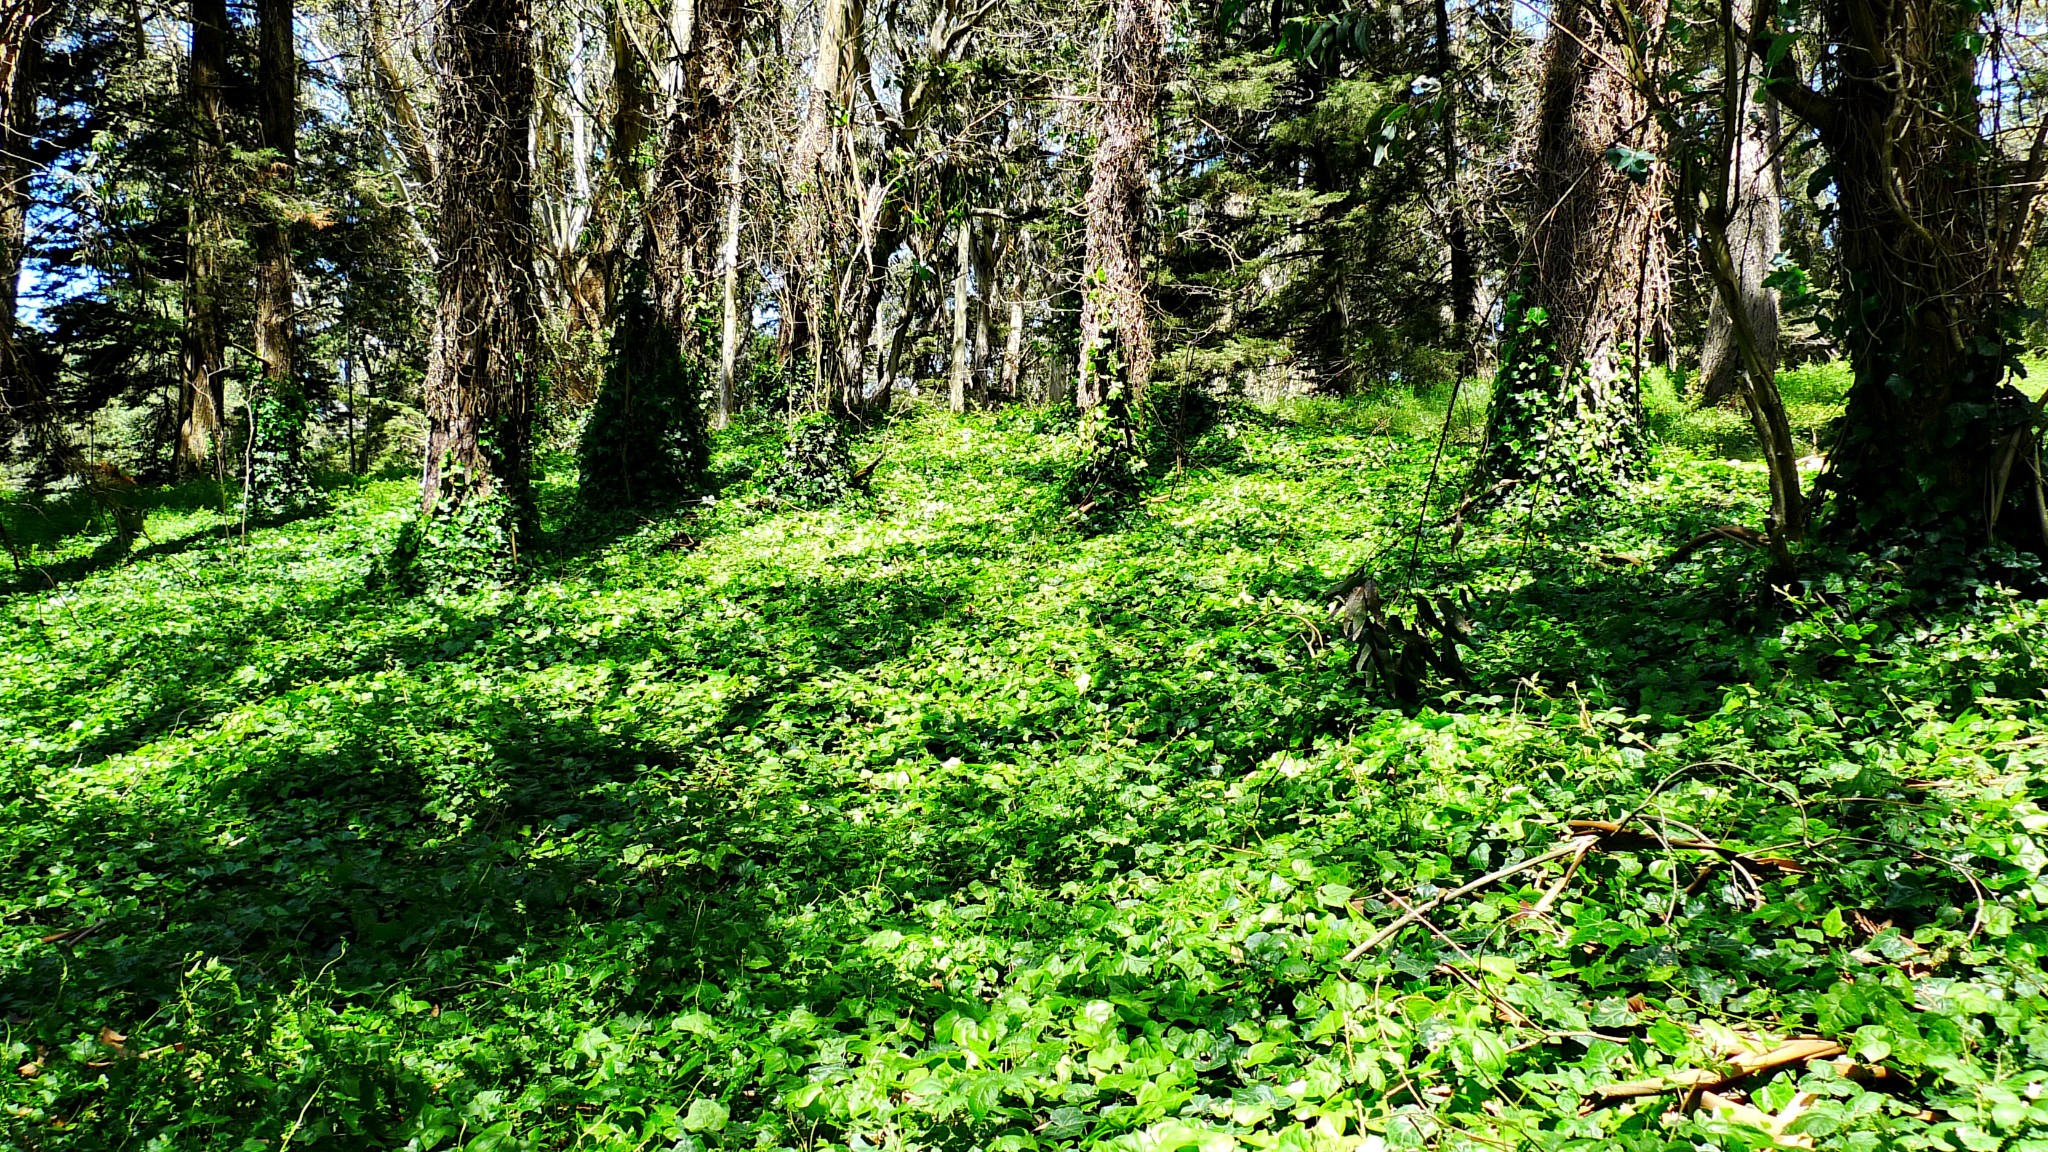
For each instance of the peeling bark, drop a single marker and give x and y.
(202, 390)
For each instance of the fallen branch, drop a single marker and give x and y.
(1612, 835)
(1573, 846)
(1734, 533)
(1742, 1067)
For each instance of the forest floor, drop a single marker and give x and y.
(929, 821)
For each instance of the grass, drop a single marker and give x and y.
(930, 822)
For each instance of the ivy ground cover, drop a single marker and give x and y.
(929, 821)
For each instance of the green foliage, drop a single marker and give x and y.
(1813, 395)
(470, 541)
(279, 486)
(816, 468)
(939, 825)
(1553, 429)
(645, 440)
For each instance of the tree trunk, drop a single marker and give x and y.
(1457, 229)
(1116, 332)
(203, 394)
(24, 400)
(981, 300)
(1013, 344)
(415, 142)
(480, 379)
(646, 437)
(1752, 243)
(687, 200)
(815, 181)
(963, 259)
(729, 343)
(276, 484)
(1594, 275)
(1932, 230)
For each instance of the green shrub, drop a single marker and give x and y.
(816, 468)
(645, 441)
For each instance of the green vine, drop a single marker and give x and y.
(278, 485)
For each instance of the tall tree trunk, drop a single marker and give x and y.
(685, 205)
(203, 393)
(1457, 228)
(1752, 243)
(415, 142)
(647, 438)
(816, 181)
(963, 259)
(982, 300)
(729, 342)
(24, 398)
(277, 484)
(1594, 274)
(1013, 338)
(1116, 332)
(480, 379)
(1932, 230)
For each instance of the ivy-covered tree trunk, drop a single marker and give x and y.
(277, 484)
(646, 437)
(701, 88)
(202, 398)
(1932, 227)
(1116, 331)
(480, 378)
(1594, 278)
(1753, 227)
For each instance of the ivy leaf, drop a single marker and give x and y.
(1633, 163)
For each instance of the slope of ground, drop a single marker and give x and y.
(931, 822)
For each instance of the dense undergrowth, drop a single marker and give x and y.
(926, 821)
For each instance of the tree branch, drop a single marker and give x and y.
(1781, 76)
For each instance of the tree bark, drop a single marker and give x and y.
(24, 398)
(1013, 343)
(687, 199)
(815, 180)
(474, 492)
(203, 393)
(1457, 228)
(647, 436)
(1932, 231)
(276, 483)
(729, 342)
(415, 141)
(1116, 332)
(981, 302)
(1752, 243)
(963, 258)
(1594, 274)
